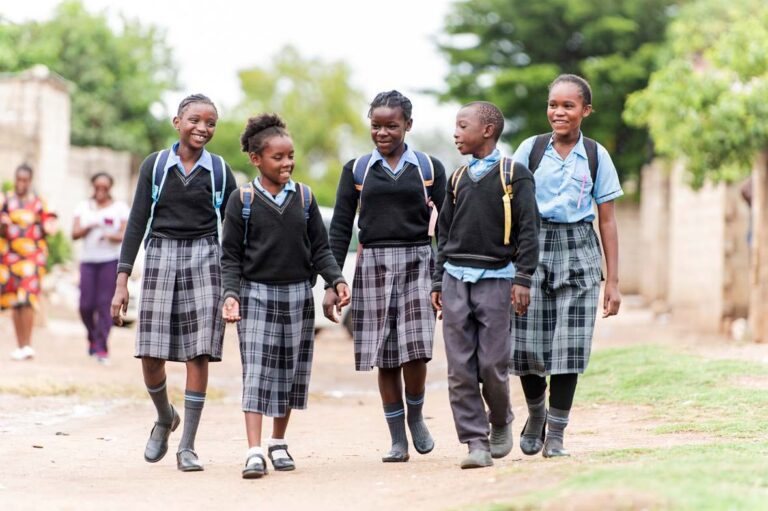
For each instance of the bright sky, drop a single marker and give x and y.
(388, 45)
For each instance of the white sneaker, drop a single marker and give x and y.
(23, 353)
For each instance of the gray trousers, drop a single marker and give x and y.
(476, 330)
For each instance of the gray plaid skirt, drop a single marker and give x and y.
(276, 345)
(555, 336)
(392, 317)
(180, 308)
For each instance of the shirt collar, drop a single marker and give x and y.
(290, 186)
(491, 159)
(408, 156)
(205, 160)
(578, 148)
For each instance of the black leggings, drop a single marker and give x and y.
(563, 387)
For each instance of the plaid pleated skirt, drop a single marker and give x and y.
(276, 345)
(180, 308)
(392, 317)
(555, 336)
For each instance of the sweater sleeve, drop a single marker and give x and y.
(322, 259)
(525, 218)
(232, 246)
(443, 228)
(139, 216)
(343, 215)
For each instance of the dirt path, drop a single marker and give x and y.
(72, 433)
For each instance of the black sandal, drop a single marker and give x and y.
(281, 464)
(254, 471)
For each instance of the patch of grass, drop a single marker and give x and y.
(708, 477)
(90, 391)
(693, 394)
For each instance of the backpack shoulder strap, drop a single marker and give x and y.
(506, 169)
(306, 198)
(360, 170)
(246, 197)
(158, 180)
(591, 147)
(219, 179)
(427, 171)
(455, 178)
(537, 151)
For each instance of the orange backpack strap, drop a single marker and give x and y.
(455, 178)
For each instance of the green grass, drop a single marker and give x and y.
(685, 394)
(90, 391)
(690, 393)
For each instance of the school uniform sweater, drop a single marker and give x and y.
(282, 247)
(393, 211)
(472, 230)
(184, 210)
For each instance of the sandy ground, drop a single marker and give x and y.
(72, 432)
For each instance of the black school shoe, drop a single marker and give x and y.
(255, 467)
(157, 445)
(281, 464)
(532, 444)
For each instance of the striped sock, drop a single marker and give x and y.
(193, 409)
(159, 397)
(537, 413)
(557, 420)
(422, 440)
(395, 415)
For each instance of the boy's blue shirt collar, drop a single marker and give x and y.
(205, 160)
(490, 160)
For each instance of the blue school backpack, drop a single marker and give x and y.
(362, 165)
(540, 147)
(218, 182)
(247, 192)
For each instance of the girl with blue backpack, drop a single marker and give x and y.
(176, 212)
(274, 244)
(398, 192)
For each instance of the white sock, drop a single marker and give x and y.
(254, 450)
(278, 453)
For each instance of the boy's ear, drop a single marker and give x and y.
(489, 131)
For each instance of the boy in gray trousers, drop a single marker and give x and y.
(487, 252)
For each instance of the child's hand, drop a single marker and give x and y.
(231, 310)
(344, 294)
(521, 299)
(330, 303)
(611, 300)
(119, 304)
(437, 303)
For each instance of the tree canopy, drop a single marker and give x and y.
(706, 103)
(508, 51)
(323, 113)
(118, 74)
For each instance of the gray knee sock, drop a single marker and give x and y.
(395, 415)
(193, 409)
(557, 420)
(537, 412)
(159, 397)
(419, 432)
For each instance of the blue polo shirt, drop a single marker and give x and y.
(564, 188)
(278, 199)
(408, 157)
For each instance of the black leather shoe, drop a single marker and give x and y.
(255, 467)
(396, 457)
(281, 464)
(532, 444)
(157, 445)
(187, 461)
(554, 450)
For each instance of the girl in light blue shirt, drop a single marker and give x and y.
(572, 173)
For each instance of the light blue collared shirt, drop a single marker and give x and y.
(564, 188)
(278, 199)
(479, 167)
(408, 157)
(205, 160)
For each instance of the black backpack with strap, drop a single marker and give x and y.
(540, 146)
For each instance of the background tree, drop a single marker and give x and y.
(119, 74)
(324, 114)
(707, 102)
(508, 51)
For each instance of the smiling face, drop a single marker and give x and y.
(566, 109)
(275, 162)
(101, 188)
(196, 125)
(388, 129)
